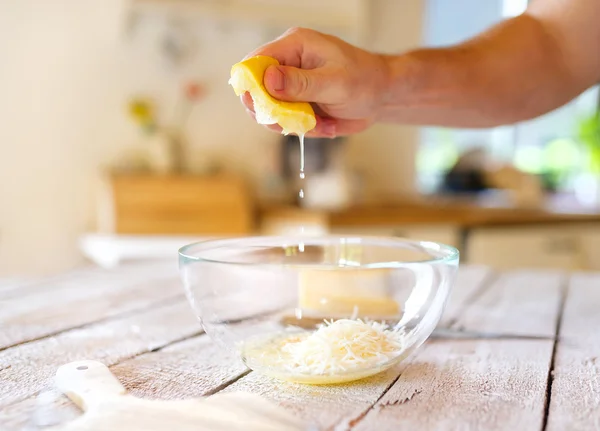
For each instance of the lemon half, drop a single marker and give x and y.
(293, 117)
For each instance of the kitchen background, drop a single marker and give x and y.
(121, 139)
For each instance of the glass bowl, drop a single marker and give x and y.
(318, 310)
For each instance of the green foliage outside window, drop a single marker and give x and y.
(589, 135)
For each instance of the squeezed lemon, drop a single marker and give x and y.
(293, 117)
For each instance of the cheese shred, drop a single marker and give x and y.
(342, 346)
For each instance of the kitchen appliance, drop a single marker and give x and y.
(328, 183)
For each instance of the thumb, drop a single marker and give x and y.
(300, 85)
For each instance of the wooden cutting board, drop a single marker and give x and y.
(107, 406)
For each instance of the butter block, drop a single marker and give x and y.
(344, 292)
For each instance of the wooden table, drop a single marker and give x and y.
(136, 320)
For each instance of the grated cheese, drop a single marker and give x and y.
(340, 347)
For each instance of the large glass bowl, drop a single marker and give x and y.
(318, 310)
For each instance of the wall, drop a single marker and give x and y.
(67, 71)
(386, 153)
(57, 110)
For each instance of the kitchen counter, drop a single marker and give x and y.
(458, 211)
(533, 365)
(222, 205)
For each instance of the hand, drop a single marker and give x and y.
(344, 84)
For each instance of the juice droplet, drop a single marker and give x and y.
(301, 138)
(302, 176)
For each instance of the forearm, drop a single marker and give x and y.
(513, 72)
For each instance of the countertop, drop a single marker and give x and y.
(136, 320)
(453, 210)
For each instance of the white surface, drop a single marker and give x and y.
(92, 386)
(87, 383)
(109, 251)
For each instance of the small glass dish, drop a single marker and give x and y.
(318, 310)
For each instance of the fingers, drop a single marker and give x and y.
(326, 127)
(351, 127)
(287, 48)
(303, 74)
(247, 102)
(273, 127)
(291, 84)
(333, 127)
(249, 105)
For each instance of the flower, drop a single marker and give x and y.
(194, 91)
(142, 111)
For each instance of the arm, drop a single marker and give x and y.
(517, 70)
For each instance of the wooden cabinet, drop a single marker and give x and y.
(558, 246)
(553, 246)
(445, 234)
(293, 221)
(175, 205)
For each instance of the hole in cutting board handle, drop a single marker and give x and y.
(82, 367)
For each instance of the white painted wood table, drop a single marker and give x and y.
(136, 320)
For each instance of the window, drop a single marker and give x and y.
(547, 146)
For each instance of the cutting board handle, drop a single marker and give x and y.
(87, 383)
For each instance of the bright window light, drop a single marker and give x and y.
(512, 8)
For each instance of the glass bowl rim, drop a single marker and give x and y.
(451, 253)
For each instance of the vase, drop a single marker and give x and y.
(164, 152)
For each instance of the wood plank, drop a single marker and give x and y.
(9, 284)
(469, 282)
(73, 280)
(485, 384)
(191, 368)
(575, 395)
(321, 406)
(519, 303)
(326, 406)
(27, 368)
(491, 385)
(20, 288)
(9, 288)
(79, 302)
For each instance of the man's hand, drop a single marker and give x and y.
(345, 84)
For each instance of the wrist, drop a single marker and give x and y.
(398, 79)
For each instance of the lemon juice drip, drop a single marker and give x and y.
(302, 176)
